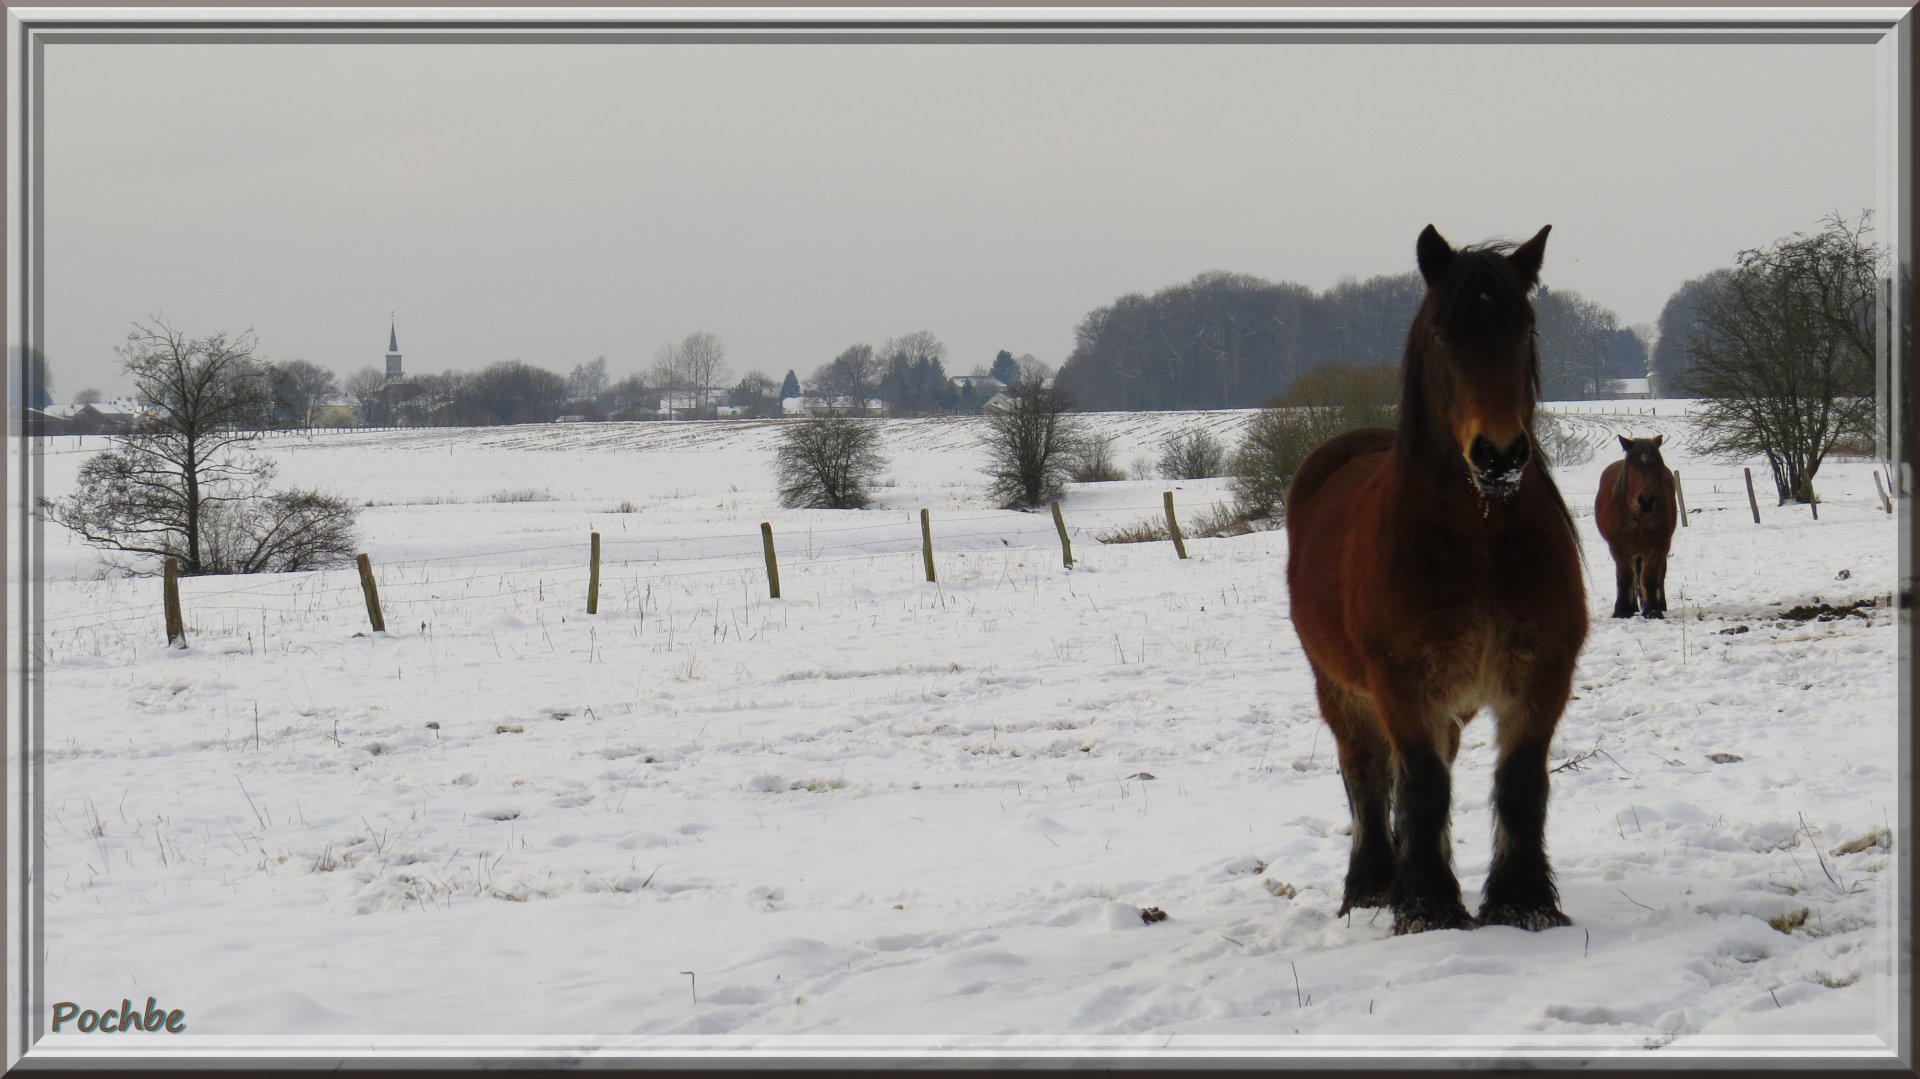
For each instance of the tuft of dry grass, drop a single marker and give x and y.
(1213, 522)
(522, 494)
(1790, 921)
(1147, 531)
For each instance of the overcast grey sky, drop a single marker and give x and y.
(554, 203)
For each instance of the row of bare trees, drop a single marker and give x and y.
(1030, 436)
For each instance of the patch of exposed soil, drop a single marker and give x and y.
(1827, 612)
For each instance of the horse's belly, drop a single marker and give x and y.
(1322, 548)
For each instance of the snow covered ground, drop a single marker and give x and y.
(879, 813)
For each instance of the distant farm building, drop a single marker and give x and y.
(1620, 389)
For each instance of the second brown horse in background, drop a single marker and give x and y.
(1636, 510)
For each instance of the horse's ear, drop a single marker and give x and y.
(1527, 257)
(1626, 444)
(1657, 439)
(1434, 254)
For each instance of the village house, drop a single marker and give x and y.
(691, 404)
(829, 406)
(111, 417)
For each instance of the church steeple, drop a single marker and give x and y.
(394, 371)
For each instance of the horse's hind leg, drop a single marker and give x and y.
(1520, 889)
(1623, 585)
(1365, 769)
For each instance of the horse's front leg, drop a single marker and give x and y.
(1520, 889)
(1425, 893)
(1653, 578)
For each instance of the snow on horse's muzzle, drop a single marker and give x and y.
(1495, 471)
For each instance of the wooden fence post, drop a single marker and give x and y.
(1066, 545)
(773, 568)
(926, 543)
(170, 592)
(1752, 502)
(1173, 526)
(1681, 496)
(372, 592)
(593, 575)
(1885, 502)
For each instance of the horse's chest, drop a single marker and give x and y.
(1470, 619)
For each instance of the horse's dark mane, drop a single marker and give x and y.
(1458, 310)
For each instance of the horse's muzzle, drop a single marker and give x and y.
(1495, 471)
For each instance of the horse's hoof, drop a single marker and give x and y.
(1618, 613)
(1534, 919)
(1366, 899)
(1421, 917)
(1654, 614)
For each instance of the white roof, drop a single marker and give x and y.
(125, 406)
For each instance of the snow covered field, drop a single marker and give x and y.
(881, 813)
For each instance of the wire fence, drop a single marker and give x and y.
(1715, 497)
(406, 586)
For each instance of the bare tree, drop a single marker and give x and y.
(1192, 455)
(588, 379)
(1091, 459)
(854, 374)
(913, 378)
(1783, 353)
(828, 463)
(88, 396)
(514, 391)
(182, 484)
(1679, 325)
(368, 388)
(703, 357)
(669, 371)
(298, 388)
(1574, 334)
(1319, 404)
(755, 393)
(1030, 440)
(918, 347)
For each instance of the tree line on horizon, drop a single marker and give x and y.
(1233, 340)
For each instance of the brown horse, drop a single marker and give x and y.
(1636, 511)
(1434, 570)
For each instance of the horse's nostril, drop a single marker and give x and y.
(1483, 455)
(1519, 450)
